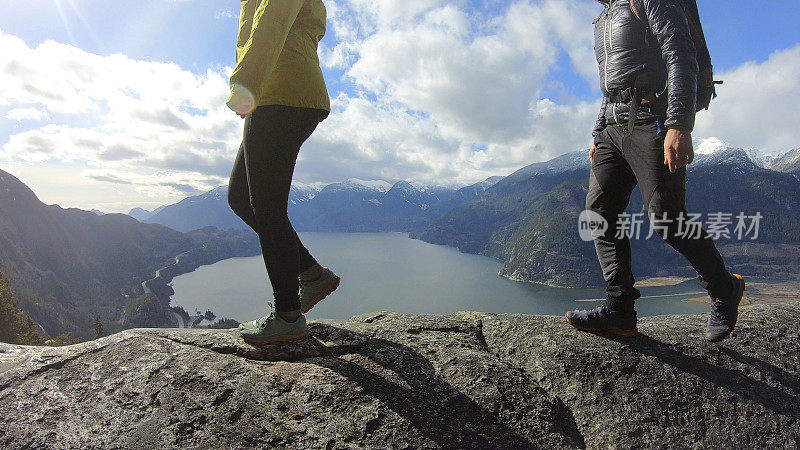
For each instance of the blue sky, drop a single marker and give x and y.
(197, 34)
(435, 91)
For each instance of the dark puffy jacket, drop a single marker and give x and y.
(663, 49)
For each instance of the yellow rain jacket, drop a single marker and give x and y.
(276, 53)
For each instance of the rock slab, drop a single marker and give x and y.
(385, 380)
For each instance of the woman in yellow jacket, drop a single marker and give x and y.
(278, 88)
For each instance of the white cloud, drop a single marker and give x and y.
(472, 82)
(25, 114)
(436, 91)
(137, 118)
(758, 104)
(225, 14)
(477, 80)
(442, 93)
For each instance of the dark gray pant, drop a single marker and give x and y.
(258, 192)
(622, 160)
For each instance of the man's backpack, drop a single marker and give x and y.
(706, 86)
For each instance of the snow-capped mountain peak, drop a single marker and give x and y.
(377, 185)
(405, 186)
(220, 192)
(422, 187)
(789, 162)
(714, 146)
(709, 146)
(303, 190)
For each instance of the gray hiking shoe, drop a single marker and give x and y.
(724, 313)
(604, 320)
(272, 329)
(312, 292)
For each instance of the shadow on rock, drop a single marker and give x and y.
(406, 382)
(788, 380)
(733, 380)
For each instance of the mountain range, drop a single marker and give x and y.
(788, 162)
(528, 219)
(142, 214)
(68, 266)
(351, 205)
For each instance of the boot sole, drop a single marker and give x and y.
(330, 286)
(610, 330)
(743, 287)
(277, 341)
(742, 284)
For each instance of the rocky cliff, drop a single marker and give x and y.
(397, 381)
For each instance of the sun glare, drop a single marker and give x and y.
(74, 11)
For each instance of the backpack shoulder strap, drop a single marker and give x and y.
(637, 6)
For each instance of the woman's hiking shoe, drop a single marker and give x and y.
(272, 329)
(725, 313)
(312, 292)
(604, 320)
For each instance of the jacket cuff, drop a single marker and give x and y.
(684, 123)
(241, 100)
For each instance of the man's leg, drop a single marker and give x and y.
(664, 193)
(610, 185)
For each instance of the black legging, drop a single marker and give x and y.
(258, 192)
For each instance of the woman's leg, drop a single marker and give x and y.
(239, 201)
(239, 191)
(273, 136)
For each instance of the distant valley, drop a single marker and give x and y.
(70, 267)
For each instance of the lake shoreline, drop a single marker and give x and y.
(663, 291)
(393, 272)
(761, 292)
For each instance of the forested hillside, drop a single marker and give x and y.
(69, 266)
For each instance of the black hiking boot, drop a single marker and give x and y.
(724, 313)
(619, 321)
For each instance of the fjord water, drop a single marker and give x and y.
(391, 272)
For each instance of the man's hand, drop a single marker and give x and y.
(678, 151)
(591, 153)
